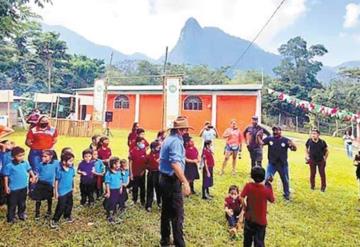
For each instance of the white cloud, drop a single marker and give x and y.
(352, 16)
(150, 25)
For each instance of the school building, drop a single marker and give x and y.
(218, 104)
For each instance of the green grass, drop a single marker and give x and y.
(312, 218)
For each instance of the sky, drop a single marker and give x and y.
(148, 26)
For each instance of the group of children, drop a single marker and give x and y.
(247, 209)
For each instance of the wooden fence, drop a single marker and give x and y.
(69, 127)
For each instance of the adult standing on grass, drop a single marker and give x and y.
(233, 145)
(348, 141)
(173, 183)
(316, 155)
(39, 138)
(253, 136)
(208, 133)
(278, 158)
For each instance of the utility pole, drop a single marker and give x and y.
(163, 87)
(106, 84)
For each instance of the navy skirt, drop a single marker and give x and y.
(41, 191)
(191, 172)
(113, 201)
(208, 181)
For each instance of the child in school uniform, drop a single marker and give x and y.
(152, 165)
(233, 209)
(113, 184)
(104, 152)
(125, 177)
(137, 159)
(191, 163)
(209, 163)
(5, 158)
(99, 171)
(44, 187)
(94, 142)
(16, 180)
(255, 196)
(87, 178)
(64, 186)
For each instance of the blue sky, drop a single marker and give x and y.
(323, 22)
(148, 26)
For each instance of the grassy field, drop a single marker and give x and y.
(311, 218)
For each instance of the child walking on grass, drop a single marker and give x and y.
(64, 186)
(113, 183)
(255, 196)
(87, 178)
(234, 210)
(99, 171)
(44, 188)
(209, 163)
(16, 180)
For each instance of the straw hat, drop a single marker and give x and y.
(181, 122)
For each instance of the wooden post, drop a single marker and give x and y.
(297, 123)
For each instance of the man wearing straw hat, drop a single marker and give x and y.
(173, 183)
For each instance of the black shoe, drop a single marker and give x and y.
(287, 198)
(193, 192)
(22, 217)
(206, 197)
(37, 216)
(48, 214)
(165, 243)
(323, 190)
(54, 224)
(148, 209)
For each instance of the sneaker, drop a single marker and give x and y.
(148, 209)
(22, 217)
(37, 216)
(205, 198)
(287, 198)
(54, 224)
(323, 190)
(69, 220)
(111, 220)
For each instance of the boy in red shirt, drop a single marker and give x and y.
(137, 159)
(152, 165)
(257, 195)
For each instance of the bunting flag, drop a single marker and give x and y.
(316, 108)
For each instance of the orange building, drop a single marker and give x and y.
(218, 104)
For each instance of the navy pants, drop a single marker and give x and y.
(64, 206)
(139, 183)
(172, 211)
(152, 184)
(87, 193)
(254, 233)
(283, 170)
(16, 198)
(256, 156)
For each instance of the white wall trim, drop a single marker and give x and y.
(213, 109)
(258, 105)
(137, 107)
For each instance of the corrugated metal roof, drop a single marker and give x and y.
(225, 87)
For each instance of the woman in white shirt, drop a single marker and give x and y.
(348, 142)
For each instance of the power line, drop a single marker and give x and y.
(257, 35)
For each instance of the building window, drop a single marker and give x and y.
(121, 102)
(193, 103)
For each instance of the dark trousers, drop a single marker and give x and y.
(256, 155)
(321, 167)
(152, 184)
(16, 198)
(99, 190)
(233, 220)
(64, 206)
(172, 211)
(87, 193)
(38, 205)
(139, 183)
(254, 233)
(283, 171)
